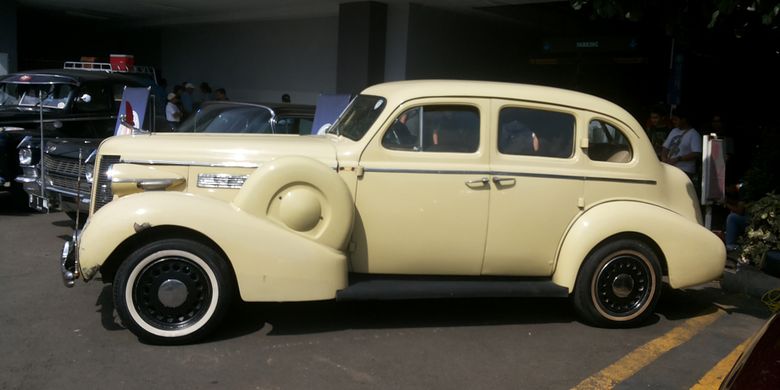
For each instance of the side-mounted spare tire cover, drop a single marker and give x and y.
(303, 195)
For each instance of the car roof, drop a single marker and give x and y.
(401, 91)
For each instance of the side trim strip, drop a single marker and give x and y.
(234, 164)
(514, 174)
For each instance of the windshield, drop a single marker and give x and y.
(229, 118)
(358, 117)
(28, 95)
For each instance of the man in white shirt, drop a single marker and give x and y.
(172, 111)
(682, 147)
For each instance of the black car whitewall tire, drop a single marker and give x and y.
(173, 291)
(619, 284)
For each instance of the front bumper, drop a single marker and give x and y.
(69, 262)
(57, 197)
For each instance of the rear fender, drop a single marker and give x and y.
(693, 254)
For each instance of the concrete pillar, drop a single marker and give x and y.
(397, 39)
(7, 37)
(361, 45)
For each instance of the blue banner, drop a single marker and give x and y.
(132, 110)
(329, 107)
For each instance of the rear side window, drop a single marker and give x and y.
(608, 143)
(435, 128)
(533, 132)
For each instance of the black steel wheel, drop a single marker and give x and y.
(173, 291)
(618, 284)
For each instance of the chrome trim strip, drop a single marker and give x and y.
(234, 164)
(67, 192)
(515, 174)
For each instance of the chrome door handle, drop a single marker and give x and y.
(504, 181)
(478, 182)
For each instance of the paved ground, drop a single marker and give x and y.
(53, 337)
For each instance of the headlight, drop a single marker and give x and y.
(25, 156)
(89, 169)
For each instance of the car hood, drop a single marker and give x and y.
(217, 149)
(71, 148)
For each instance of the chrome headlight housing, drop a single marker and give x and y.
(25, 156)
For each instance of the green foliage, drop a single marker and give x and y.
(763, 233)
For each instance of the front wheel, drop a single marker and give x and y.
(173, 291)
(618, 284)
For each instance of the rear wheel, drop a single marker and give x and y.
(618, 284)
(173, 291)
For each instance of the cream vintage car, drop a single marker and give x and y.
(420, 189)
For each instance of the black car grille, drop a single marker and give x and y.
(63, 173)
(103, 193)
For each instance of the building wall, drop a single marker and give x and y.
(447, 44)
(255, 61)
(7, 37)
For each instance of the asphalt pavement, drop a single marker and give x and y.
(54, 337)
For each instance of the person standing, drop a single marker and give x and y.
(220, 94)
(657, 128)
(172, 112)
(188, 100)
(682, 147)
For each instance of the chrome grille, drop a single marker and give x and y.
(68, 183)
(61, 165)
(62, 173)
(103, 193)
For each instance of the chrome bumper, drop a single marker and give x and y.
(69, 263)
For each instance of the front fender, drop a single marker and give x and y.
(693, 254)
(271, 263)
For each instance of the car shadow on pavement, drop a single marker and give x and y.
(689, 303)
(105, 304)
(316, 317)
(7, 207)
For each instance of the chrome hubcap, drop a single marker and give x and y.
(622, 285)
(172, 293)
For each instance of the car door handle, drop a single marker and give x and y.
(481, 182)
(504, 181)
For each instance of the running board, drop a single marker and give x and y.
(392, 287)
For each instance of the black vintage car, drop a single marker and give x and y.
(68, 162)
(78, 105)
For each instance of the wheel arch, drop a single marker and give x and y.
(157, 233)
(605, 223)
(632, 236)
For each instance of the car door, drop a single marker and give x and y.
(422, 200)
(537, 187)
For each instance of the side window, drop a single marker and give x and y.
(99, 100)
(608, 143)
(435, 128)
(532, 132)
